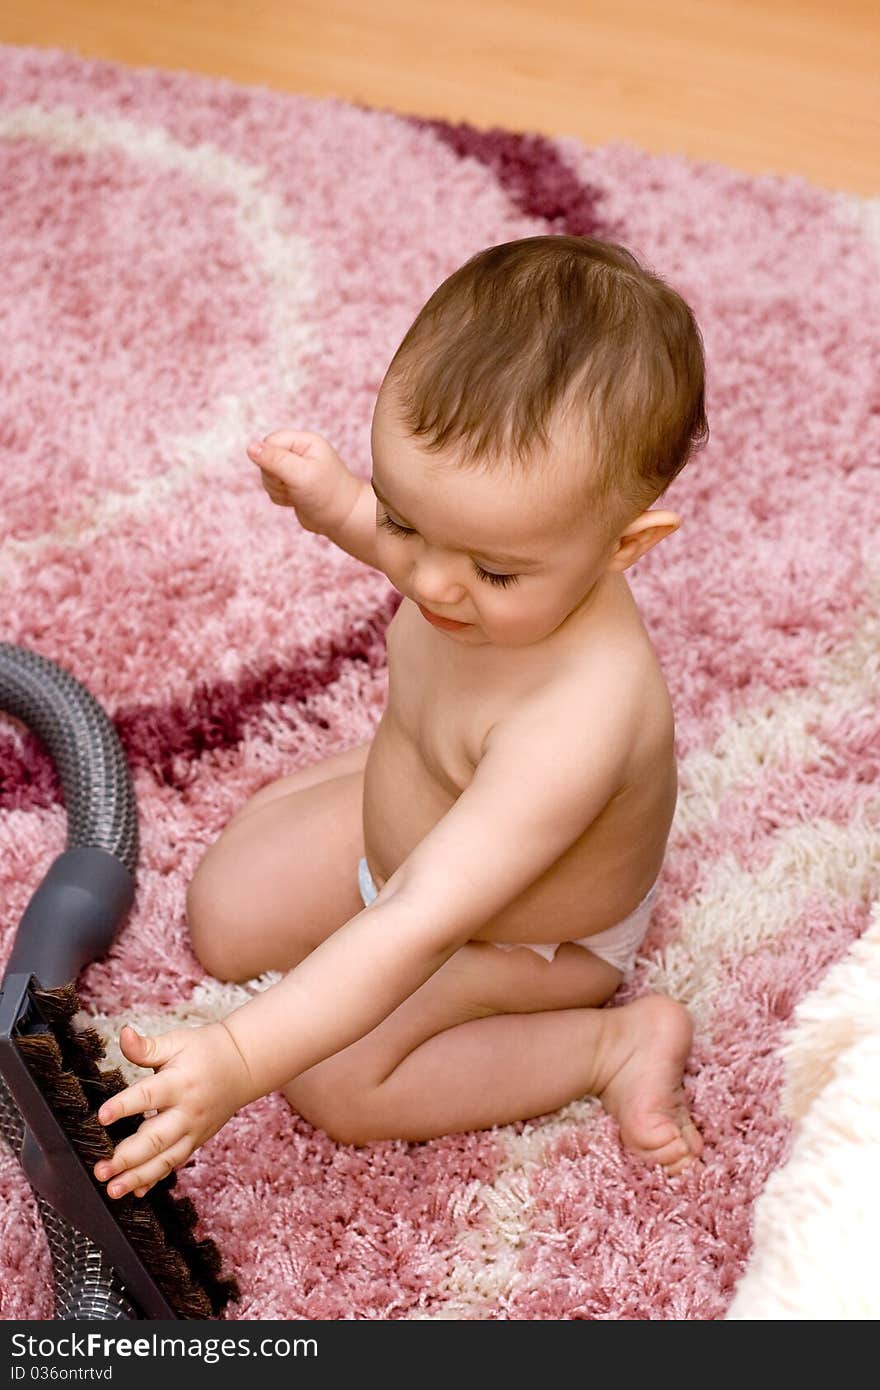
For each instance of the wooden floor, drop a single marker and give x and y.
(788, 86)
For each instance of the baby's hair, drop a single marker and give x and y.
(558, 330)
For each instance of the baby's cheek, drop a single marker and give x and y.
(398, 574)
(388, 562)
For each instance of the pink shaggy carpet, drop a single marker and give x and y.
(188, 262)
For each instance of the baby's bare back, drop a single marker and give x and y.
(443, 700)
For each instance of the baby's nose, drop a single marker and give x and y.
(433, 584)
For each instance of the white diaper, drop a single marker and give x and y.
(618, 944)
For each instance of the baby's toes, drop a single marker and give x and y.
(694, 1140)
(675, 1170)
(689, 1150)
(674, 1156)
(673, 1143)
(691, 1135)
(658, 1140)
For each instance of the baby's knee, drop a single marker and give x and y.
(213, 922)
(335, 1104)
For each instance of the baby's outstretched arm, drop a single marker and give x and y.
(543, 777)
(545, 773)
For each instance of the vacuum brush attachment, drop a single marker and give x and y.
(132, 1257)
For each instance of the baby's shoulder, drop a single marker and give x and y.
(612, 683)
(621, 673)
(582, 733)
(618, 687)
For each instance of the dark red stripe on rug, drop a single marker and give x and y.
(532, 173)
(216, 716)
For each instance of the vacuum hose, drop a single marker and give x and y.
(101, 816)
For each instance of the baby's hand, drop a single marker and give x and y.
(303, 471)
(200, 1081)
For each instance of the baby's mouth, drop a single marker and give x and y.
(451, 624)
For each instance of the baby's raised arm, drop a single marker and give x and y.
(302, 470)
(545, 774)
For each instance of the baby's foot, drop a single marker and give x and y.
(642, 1060)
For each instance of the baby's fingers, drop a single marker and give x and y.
(142, 1175)
(286, 452)
(149, 1094)
(151, 1138)
(294, 441)
(277, 490)
(271, 455)
(276, 465)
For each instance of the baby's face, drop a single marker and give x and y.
(498, 552)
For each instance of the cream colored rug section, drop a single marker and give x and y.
(817, 1222)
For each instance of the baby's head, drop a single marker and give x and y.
(545, 396)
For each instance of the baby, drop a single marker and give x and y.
(455, 899)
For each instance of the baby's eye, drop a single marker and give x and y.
(393, 527)
(502, 580)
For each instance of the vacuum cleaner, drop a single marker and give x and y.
(129, 1258)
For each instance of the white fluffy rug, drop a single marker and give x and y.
(817, 1222)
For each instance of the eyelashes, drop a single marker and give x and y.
(500, 580)
(393, 527)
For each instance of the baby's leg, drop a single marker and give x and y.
(457, 1055)
(494, 1071)
(282, 876)
(337, 765)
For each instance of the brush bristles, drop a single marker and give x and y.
(160, 1227)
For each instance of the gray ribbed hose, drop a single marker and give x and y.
(101, 814)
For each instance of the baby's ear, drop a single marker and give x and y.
(641, 535)
(664, 524)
